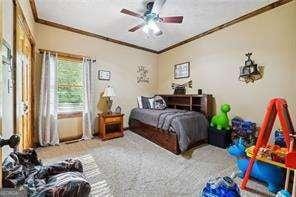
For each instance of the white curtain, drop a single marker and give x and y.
(48, 134)
(87, 118)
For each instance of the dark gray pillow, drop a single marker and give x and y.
(145, 102)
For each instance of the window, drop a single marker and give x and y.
(69, 85)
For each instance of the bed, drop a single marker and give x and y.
(181, 126)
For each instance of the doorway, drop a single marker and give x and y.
(1, 83)
(24, 60)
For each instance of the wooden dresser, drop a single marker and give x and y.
(111, 126)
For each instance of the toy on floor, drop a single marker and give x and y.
(221, 121)
(270, 174)
(279, 138)
(283, 193)
(243, 129)
(221, 187)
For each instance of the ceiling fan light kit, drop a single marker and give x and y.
(151, 17)
(151, 26)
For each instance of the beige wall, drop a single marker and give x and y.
(120, 60)
(215, 61)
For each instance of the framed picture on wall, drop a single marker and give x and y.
(104, 75)
(182, 70)
(6, 52)
(6, 60)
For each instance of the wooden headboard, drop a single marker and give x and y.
(193, 102)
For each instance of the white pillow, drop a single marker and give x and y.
(139, 100)
(151, 102)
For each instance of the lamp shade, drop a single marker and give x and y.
(109, 92)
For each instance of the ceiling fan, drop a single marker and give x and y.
(151, 16)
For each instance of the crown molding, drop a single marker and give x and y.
(210, 31)
(232, 22)
(79, 31)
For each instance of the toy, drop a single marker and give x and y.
(244, 129)
(221, 187)
(283, 193)
(273, 153)
(221, 121)
(265, 172)
(276, 107)
(279, 138)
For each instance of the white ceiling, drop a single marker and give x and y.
(103, 17)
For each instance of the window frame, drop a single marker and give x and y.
(75, 111)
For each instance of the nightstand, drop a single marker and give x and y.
(111, 126)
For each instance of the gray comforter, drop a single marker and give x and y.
(189, 126)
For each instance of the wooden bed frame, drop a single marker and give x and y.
(201, 103)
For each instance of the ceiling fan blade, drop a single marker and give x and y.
(136, 27)
(159, 33)
(158, 4)
(172, 19)
(131, 13)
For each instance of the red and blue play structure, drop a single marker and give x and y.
(270, 174)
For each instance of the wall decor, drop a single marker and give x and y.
(104, 75)
(182, 70)
(250, 72)
(142, 75)
(180, 89)
(7, 62)
(6, 52)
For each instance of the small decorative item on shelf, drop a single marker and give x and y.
(199, 91)
(118, 110)
(250, 71)
(180, 89)
(108, 93)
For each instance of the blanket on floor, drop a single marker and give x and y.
(60, 179)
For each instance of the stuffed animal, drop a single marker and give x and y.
(221, 121)
(261, 171)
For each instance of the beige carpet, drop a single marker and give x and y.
(134, 166)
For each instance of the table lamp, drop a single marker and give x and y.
(108, 93)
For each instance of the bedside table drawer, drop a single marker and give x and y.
(113, 119)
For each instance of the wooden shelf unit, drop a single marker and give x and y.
(192, 102)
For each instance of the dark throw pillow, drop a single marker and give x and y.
(145, 102)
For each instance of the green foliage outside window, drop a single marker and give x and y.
(69, 83)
